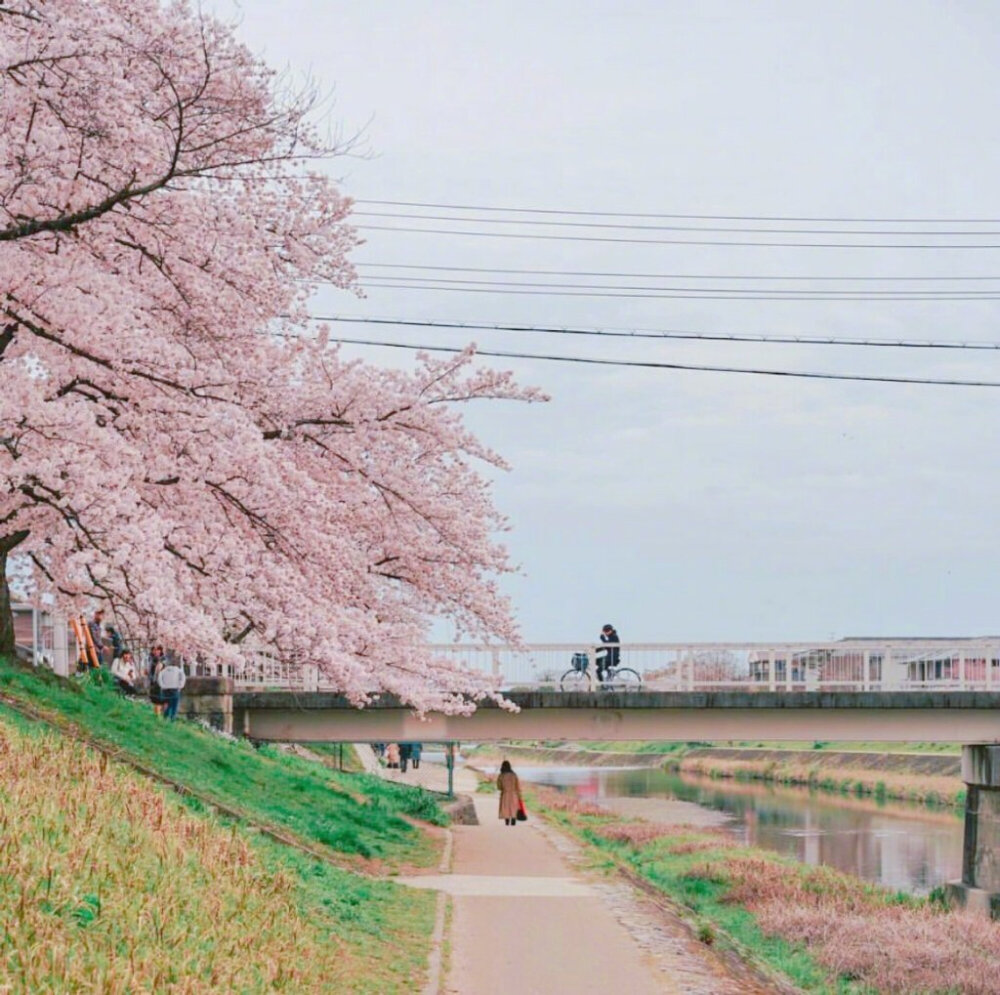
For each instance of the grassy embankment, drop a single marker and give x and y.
(110, 881)
(819, 746)
(914, 777)
(825, 931)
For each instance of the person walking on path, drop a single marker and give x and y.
(392, 756)
(172, 680)
(415, 750)
(510, 794)
(405, 754)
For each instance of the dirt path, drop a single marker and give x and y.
(529, 916)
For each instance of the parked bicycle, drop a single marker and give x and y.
(579, 677)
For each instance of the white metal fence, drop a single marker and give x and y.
(861, 665)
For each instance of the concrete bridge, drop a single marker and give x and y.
(683, 716)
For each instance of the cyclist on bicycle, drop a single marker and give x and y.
(608, 659)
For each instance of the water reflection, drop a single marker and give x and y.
(900, 845)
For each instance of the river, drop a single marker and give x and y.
(901, 845)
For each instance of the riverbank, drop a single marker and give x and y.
(927, 777)
(824, 930)
(563, 756)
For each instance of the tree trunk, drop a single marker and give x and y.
(7, 543)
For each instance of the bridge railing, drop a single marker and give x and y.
(862, 665)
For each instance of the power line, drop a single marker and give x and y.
(631, 226)
(747, 295)
(411, 282)
(680, 217)
(675, 241)
(680, 334)
(650, 364)
(665, 276)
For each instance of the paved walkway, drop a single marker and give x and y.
(529, 918)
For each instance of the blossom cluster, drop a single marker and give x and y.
(173, 443)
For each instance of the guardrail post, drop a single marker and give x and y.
(961, 671)
(310, 677)
(449, 760)
(866, 670)
(772, 677)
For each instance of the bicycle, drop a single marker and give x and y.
(579, 678)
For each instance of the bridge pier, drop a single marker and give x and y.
(979, 889)
(209, 699)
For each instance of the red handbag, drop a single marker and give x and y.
(522, 814)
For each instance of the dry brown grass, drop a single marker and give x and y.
(565, 802)
(851, 929)
(108, 885)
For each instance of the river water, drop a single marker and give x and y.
(901, 845)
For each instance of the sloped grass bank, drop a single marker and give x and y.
(826, 931)
(932, 779)
(108, 882)
(358, 819)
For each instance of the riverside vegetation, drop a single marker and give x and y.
(111, 881)
(826, 931)
(881, 769)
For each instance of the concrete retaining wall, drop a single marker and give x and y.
(942, 765)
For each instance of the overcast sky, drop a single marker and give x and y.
(692, 505)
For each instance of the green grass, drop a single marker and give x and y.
(676, 748)
(111, 882)
(358, 815)
(335, 754)
(832, 746)
(843, 746)
(658, 747)
(363, 912)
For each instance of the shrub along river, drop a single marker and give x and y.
(902, 845)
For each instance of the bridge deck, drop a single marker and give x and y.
(958, 716)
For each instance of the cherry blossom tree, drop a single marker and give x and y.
(173, 445)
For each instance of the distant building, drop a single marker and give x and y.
(893, 662)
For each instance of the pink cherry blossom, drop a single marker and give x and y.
(172, 446)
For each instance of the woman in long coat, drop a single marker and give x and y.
(392, 755)
(510, 794)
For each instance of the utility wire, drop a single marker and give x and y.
(662, 334)
(677, 241)
(663, 276)
(745, 295)
(681, 217)
(651, 365)
(631, 226)
(411, 282)
(411, 278)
